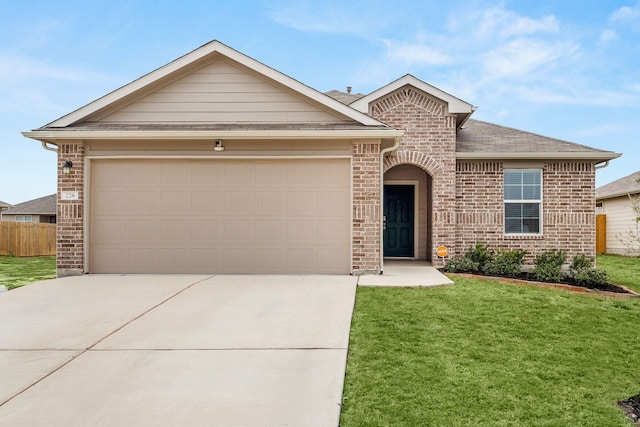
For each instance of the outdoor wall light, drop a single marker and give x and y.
(219, 146)
(66, 168)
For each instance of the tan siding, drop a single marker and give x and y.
(222, 93)
(620, 220)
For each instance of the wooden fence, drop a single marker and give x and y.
(601, 234)
(27, 239)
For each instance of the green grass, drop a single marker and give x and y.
(20, 271)
(483, 353)
(621, 270)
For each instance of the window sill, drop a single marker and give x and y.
(523, 236)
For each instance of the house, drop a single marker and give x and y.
(217, 163)
(619, 201)
(3, 206)
(42, 209)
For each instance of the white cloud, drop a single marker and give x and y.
(608, 35)
(419, 53)
(585, 96)
(526, 26)
(498, 21)
(627, 15)
(30, 86)
(521, 57)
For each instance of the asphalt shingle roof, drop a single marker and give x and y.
(42, 206)
(482, 137)
(4, 204)
(623, 186)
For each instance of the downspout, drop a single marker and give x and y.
(602, 166)
(384, 151)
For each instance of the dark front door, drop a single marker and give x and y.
(398, 220)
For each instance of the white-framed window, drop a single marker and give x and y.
(24, 218)
(523, 201)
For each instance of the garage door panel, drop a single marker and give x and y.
(270, 202)
(239, 175)
(231, 216)
(206, 202)
(270, 230)
(238, 202)
(141, 203)
(302, 203)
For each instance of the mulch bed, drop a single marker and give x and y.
(631, 407)
(524, 278)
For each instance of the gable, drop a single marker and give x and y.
(408, 95)
(454, 106)
(277, 97)
(220, 92)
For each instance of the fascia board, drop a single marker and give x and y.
(567, 155)
(196, 55)
(455, 105)
(70, 135)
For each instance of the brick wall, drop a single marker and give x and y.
(366, 208)
(429, 143)
(567, 208)
(70, 227)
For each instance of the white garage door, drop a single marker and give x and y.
(220, 216)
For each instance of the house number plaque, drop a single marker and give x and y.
(69, 195)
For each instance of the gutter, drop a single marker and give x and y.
(384, 151)
(567, 155)
(67, 135)
(46, 147)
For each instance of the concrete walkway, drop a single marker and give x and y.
(107, 350)
(400, 273)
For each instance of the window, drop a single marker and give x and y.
(522, 201)
(24, 218)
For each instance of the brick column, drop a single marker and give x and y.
(366, 208)
(70, 217)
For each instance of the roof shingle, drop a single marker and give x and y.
(621, 187)
(41, 206)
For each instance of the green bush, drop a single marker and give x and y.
(506, 263)
(461, 265)
(581, 269)
(548, 267)
(481, 255)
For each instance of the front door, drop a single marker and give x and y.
(398, 220)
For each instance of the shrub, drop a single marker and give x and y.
(481, 255)
(584, 274)
(506, 263)
(548, 266)
(461, 265)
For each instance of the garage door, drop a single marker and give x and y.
(220, 216)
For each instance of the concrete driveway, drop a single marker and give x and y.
(175, 350)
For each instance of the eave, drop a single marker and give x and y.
(53, 136)
(566, 155)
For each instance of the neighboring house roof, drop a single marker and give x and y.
(4, 204)
(344, 97)
(42, 206)
(479, 139)
(621, 187)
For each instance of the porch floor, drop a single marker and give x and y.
(406, 273)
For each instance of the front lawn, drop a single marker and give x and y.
(621, 270)
(19, 271)
(485, 353)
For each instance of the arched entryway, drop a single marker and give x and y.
(407, 206)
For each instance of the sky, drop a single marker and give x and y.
(568, 69)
